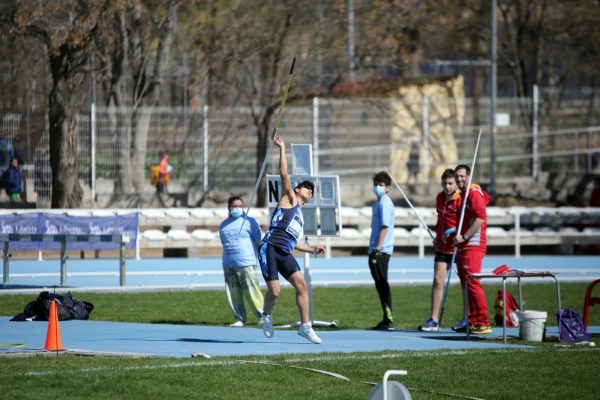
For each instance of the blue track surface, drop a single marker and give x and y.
(183, 340)
(192, 273)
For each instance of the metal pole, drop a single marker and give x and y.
(316, 135)
(93, 133)
(504, 307)
(93, 152)
(386, 377)
(29, 158)
(186, 108)
(205, 149)
(63, 262)
(5, 263)
(426, 138)
(185, 89)
(576, 152)
(589, 152)
(351, 38)
(138, 253)
(518, 234)
(308, 279)
(122, 257)
(319, 40)
(535, 166)
(557, 293)
(493, 84)
(421, 242)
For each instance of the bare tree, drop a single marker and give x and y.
(240, 46)
(65, 29)
(134, 49)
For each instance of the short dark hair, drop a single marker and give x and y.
(449, 173)
(306, 184)
(232, 199)
(465, 167)
(382, 177)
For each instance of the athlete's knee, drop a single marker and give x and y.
(301, 286)
(274, 292)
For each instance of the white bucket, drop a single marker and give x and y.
(532, 325)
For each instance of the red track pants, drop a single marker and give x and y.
(469, 262)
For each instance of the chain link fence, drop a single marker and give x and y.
(214, 148)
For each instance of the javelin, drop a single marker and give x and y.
(273, 134)
(460, 223)
(410, 204)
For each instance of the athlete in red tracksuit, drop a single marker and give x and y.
(448, 209)
(472, 246)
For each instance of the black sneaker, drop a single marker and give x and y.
(384, 326)
(460, 326)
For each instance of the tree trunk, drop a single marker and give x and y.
(138, 152)
(125, 117)
(66, 191)
(150, 95)
(123, 183)
(262, 145)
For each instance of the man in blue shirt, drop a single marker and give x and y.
(381, 246)
(239, 262)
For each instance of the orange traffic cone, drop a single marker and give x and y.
(53, 342)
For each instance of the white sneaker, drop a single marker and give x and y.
(306, 331)
(237, 324)
(260, 321)
(267, 325)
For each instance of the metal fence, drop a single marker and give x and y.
(214, 148)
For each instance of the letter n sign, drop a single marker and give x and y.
(273, 191)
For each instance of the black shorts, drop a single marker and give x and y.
(273, 260)
(443, 257)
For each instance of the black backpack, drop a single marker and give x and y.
(68, 307)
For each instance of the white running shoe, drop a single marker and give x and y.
(237, 324)
(306, 331)
(267, 325)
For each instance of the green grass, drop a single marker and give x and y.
(546, 371)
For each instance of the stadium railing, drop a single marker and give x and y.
(567, 227)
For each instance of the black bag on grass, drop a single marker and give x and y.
(67, 308)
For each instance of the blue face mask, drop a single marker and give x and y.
(236, 212)
(378, 190)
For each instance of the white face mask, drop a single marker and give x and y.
(236, 212)
(378, 190)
